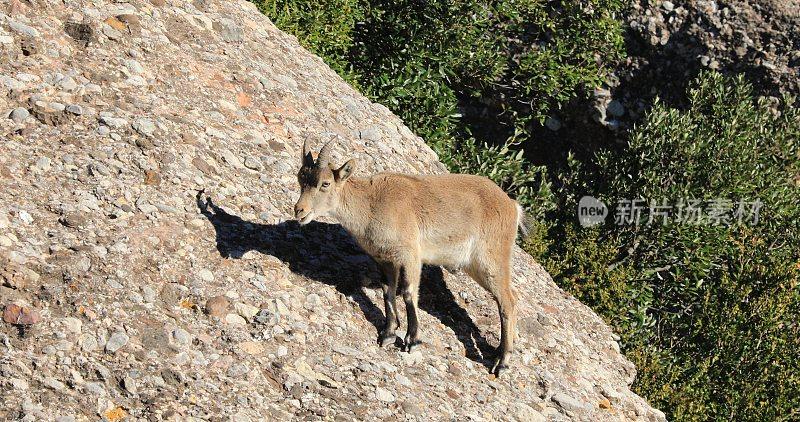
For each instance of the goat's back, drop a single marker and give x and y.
(453, 215)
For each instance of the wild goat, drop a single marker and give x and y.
(403, 221)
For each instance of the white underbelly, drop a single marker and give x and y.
(450, 255)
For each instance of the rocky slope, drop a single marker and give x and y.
(147, 166)
(669, 43)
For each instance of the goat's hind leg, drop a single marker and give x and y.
(389, 286)
(507, 305)
(498, 283)
(410, 275)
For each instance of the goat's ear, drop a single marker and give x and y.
(306, 159)
(343, 172)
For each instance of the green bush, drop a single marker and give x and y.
(322, 26)
(464, 75)
(708, 312)
(516, 59)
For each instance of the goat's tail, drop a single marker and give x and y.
(522, 223)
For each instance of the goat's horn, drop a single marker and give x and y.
(324, 154)
(306, 159)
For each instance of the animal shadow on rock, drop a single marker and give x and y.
(328, 254)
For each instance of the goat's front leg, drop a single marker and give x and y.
(389, 286)
(410, 274)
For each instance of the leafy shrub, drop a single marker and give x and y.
(322, 26)
(464, 75)
(709, 313)
(517, 59)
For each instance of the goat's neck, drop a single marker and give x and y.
(354, 206)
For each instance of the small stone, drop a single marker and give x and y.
(25, 217)
(523, 412)
(145, 207)
(43, 164)
(23, 29)
(48, 115)
(129, 384)
(53, 384)
(252, 347)
(267, 317)
(668, 6)
(152, 178)
(229, 30)
(132, 23)
(12, 84)
(203, 166)
(237, 370)
(248, 312)
(412, 358)
(243, 99)
(166, 208)
(115, 23)
(402, 380)
(206, 275)
(144, 127)
(81, 32)
(148, 294)
(411, 408)
(74, 109)
(117, 341)
(95, 389)
(21, 315)
(74, 325)
(19, 384)
(182, 336)
(384, 395)
(312, 301)
(112, 122)
(19, 114)
(74, 220)
(282, 351)
(371, 134)
(67, 83)
(217, 306)
(88, 343)
(568, 403)
(235, 319)
(231, 159)
(253, 163)
(615, 108)
(134, 67)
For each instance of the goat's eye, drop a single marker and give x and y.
(326, 184)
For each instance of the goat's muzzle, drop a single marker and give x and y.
(302, 214)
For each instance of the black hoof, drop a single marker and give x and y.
(499, 368)
(410, 345)
(386, 339)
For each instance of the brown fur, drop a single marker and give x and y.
(403, 221)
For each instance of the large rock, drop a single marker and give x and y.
(149, 269)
